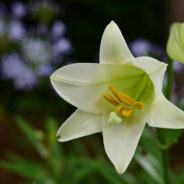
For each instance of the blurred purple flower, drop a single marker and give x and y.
(14, 68)
(19, 10)
(58, 30)
(26, 81)
(178, 67)
(63, 46)
(140, 47)
(44, 70)
(16, 30)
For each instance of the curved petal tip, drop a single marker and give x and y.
(121, 168)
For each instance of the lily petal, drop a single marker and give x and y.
(166, 115)
(84, 84)
(113, 48)
(79, 124)
(120, 141)
(154, 68)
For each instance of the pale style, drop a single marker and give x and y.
(117, 97)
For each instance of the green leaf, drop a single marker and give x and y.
(112, 176)
(179, 179)
(151, 165)
(150, 143)
(32, 135)
(26, 168)
(169, 136)
(56, 156)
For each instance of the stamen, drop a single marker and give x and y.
(126, 112)
(139, 105)
(119, 108)
(125, 105)
(122, 97)
(115, 92)
(111, 99)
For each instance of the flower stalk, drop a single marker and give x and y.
(169, 86)
(165, 151)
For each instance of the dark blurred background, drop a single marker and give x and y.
(36, 38)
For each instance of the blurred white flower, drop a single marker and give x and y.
(37, 51)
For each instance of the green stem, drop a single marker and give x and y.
(165, 158)
(165, 152)
(168, 90)
(166, 166)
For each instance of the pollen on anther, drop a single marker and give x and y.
(110, 99)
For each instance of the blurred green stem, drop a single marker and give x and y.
(166, 166)
(168, 90)
(165, 152)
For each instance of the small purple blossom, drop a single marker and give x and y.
(19, 10)
(58, 30)
(38, 47)
(178, 67)
(14, 68)
(140, 47)
(44, 70)
(16, 30)
(63, 46)
(26, 80)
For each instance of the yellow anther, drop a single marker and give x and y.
(119, 108)
(122, 97)
(111, 99)
(139, 105)
(125, 105)
(115, 92)
(126, 112)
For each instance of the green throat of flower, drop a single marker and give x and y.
(124, 105)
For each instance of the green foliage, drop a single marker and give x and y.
(169, 137)
(57, 165)
(54, 165)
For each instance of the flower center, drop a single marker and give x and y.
(125, 105)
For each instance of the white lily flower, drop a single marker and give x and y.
(117, 97)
